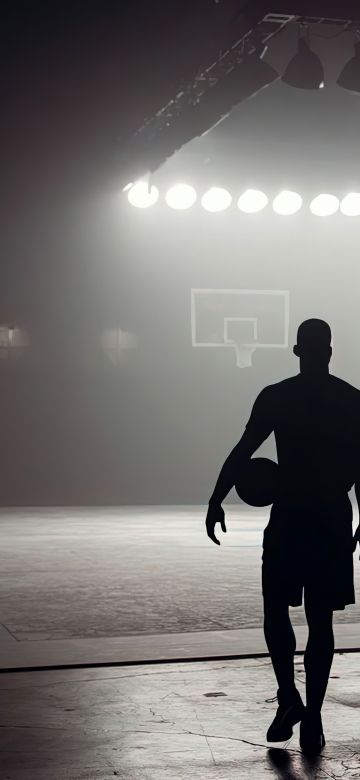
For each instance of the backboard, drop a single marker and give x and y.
(243, 320)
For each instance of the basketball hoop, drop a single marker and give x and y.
(244, 353)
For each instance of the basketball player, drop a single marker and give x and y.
(308, 543)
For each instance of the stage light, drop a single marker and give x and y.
(305, 70)
(287, 203)
(350, 75)
(216, 199)
(181, 196)
(350, 205)
(324, 205)
(141, 196)
(252, 201)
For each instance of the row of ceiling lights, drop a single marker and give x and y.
(287, 202)
(304, 71)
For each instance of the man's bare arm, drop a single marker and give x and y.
(248, 444)
(257, 430)
(244, 449)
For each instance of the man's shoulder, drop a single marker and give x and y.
(292, 382)
(272, 394)
(290, 387)
(277, 388)
(348, 391)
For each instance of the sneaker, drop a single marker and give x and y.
(289, 712)
(312, 738)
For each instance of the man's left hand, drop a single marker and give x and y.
(215, 514)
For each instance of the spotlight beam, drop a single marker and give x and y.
(214, 91)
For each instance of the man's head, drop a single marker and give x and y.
(313, 345)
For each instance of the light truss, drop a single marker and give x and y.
(173, 125)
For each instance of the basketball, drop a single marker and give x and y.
(258, 482)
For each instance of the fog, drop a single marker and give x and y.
(154, 426)
(84, 421)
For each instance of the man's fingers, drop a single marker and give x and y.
(215, 515)
(211, 535)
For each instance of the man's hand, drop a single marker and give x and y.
(215, 514)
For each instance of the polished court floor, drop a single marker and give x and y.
(92, 573)
(119, 585)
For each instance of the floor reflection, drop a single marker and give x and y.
(291, 765)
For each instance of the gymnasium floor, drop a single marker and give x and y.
(88, 573)
(109, 585)
(112, 588)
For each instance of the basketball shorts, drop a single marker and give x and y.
(317, 557)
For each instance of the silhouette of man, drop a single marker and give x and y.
(308, 543)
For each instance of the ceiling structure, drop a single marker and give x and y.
(237, 74)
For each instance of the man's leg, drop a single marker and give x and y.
(319, 651)
(281, 642)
